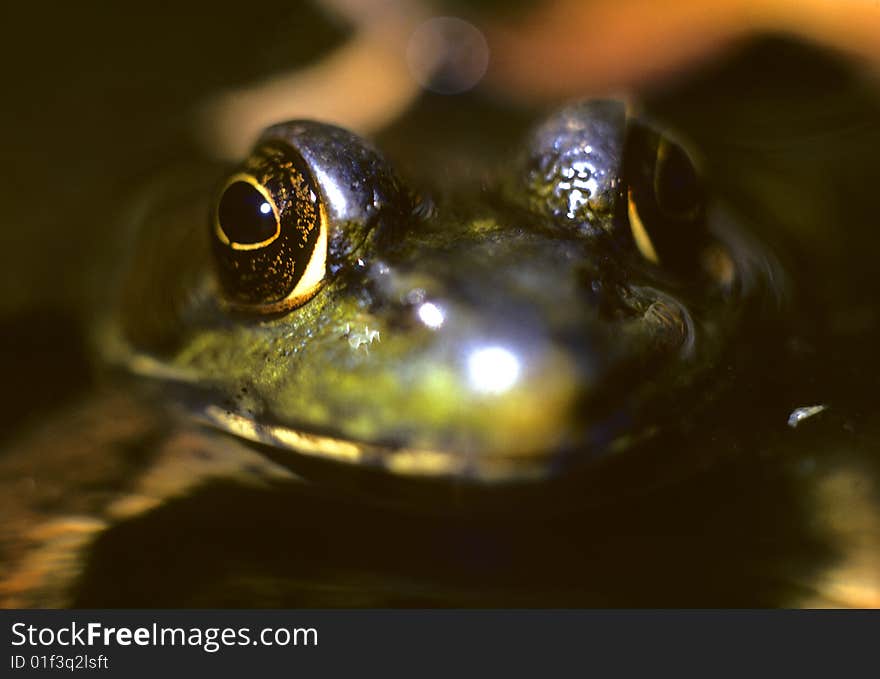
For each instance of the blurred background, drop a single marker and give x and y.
(781, 98)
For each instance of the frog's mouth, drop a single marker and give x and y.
(400, 460)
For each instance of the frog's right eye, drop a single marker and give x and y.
(302, 201)
(666, 201)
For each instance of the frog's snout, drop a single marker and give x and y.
(510, 346)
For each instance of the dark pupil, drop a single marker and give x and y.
(245, 215)
(677, 185)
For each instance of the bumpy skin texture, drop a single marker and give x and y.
(500, 334)
(574, 165)
(358, 188)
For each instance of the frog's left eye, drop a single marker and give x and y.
(304, 198)
(677, 186)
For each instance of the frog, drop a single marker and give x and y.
(334, 311)
(321, 331)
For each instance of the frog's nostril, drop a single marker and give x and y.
(668, 324)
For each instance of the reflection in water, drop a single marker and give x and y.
(846, 498)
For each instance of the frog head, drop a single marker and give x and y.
(546, 319)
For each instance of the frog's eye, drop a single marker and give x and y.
(677, 187)
(270, 232)
(601, 172)
(665, 205)
(305, 197)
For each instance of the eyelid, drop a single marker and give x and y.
(639, 232)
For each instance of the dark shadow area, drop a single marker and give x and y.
(44, 363)
(736, 536)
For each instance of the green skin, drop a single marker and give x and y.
(560, 343)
